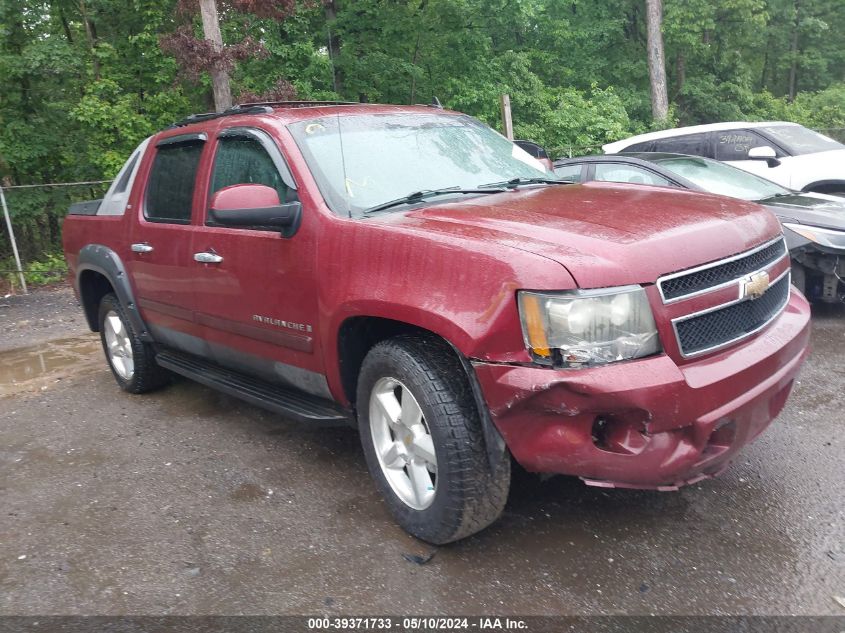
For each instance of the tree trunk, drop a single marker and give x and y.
(656, 62)
(334, 46)
(793, 50)
(91, 34)
(414, 61)
(219, 76)
(680, 73)
(65, 25)
(680, 80)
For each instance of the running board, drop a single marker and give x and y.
(286, 401)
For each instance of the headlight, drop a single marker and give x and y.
(823, 237)
(588, 327)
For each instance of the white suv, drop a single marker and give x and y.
(787, 153)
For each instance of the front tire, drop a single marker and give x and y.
(799, 277)
(424, 443)
(131, 360)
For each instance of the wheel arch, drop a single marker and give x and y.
(100, 271)
(825, 186)
(357, 335)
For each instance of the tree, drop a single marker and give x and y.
(656, 61)
(210, 54)
(219, 73)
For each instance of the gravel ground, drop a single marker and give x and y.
(186, 501)
(40, 316)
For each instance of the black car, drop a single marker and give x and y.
(813, 223)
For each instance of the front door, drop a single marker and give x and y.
(732, 147)
(257, 302)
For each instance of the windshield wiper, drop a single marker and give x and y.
(419, 196)
(513, 183)
(786, 194)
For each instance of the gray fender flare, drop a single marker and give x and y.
(494, 443)
(103, 260)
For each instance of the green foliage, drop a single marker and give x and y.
(47, 269)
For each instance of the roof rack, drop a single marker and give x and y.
(261, 107)
(238, 109)
(297, 104)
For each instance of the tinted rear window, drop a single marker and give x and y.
(695, 144)
(170, 191)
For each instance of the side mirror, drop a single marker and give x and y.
(766, 153)
(254, 206)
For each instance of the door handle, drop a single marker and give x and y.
(142, 247)
(208, 258)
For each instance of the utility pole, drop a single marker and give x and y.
(793, 52)
(507, 120)
(12, 240)
(656, 61)
(219, 76)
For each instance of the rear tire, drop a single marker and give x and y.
(424, 443)
(131, 360)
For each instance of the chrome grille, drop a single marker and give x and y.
(704, 278)
(720, 326)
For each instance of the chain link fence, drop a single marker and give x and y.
(36, 213)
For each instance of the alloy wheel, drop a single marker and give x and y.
(118, 346)
(403, 443)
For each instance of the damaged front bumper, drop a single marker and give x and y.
(648, 423)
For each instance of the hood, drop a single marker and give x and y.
(606, 234)
(830, 163)
(816, 209)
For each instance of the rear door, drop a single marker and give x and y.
(160, 260)
(258, 303)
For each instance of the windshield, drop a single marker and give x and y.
(716, 177)
(362, 161)
(798, 140)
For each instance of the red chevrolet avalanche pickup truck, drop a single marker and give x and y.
(410, 270)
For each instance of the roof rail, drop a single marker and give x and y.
(248, 108)
(295, 104)
(261, 107)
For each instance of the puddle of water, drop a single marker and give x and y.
(22, 367)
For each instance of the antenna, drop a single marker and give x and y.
(435, 103)
(343, 165)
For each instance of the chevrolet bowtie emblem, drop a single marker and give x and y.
(754, 286)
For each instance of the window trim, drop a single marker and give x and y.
(183, 139)
(263, 138)
(266, 141)
(198, 137)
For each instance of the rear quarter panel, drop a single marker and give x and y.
(80, 230)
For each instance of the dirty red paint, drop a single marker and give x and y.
(454, 269)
